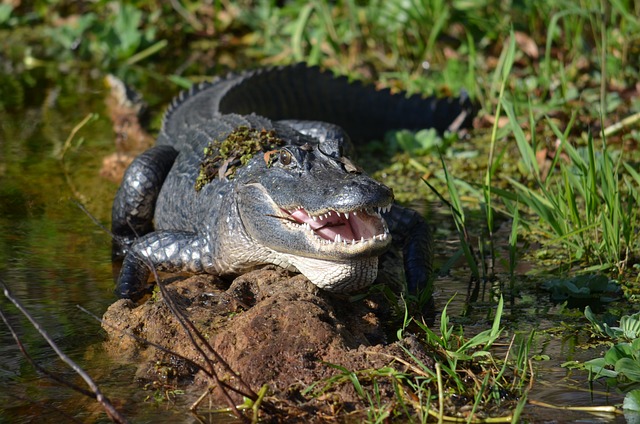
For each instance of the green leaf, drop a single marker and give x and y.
(630, 368)
(598, 368)
(597, 325)
(526, 150)
(632, 401)
(125, 27)
(5, 13)
(618, 352)
(486, 337)
(581, 286)
(481, 353)
(630, 326)
(181, 82)
(460, 356)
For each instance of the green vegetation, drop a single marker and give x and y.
(468, 380)
(234, 151)
(553, 154)
(585, 287)
(620, 364)
(589, 209)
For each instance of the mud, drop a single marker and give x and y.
(272, 327)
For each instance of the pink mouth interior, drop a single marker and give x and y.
(356, 227)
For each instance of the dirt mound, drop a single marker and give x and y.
(270, 326)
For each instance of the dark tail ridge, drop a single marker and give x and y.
(308, 93)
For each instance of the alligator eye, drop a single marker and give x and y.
(285, 157)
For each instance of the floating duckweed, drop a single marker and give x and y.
(222, 158)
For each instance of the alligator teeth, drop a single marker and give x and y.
(312, 222)
(382, 209)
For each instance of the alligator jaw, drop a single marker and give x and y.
(353, 232)
(337, 277)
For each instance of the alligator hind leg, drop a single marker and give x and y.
(134, 204)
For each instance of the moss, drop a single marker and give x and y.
(222, 158)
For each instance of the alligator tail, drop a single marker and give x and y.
(308, 93)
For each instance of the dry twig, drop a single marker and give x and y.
(95, 392)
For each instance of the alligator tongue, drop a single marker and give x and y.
(356, 227)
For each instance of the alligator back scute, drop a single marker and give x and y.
(308, 93)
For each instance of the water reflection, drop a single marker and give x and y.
(52, 256)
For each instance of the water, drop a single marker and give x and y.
(54, 257)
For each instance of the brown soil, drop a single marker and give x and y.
(272, 328)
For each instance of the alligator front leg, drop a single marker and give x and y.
(411, 233)
(168, 251)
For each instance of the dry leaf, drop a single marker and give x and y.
(527, 45)
(491, 119)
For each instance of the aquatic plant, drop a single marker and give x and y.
(595, 287)
(620, 364)
(628, 330)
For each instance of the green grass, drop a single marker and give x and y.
(589, 208)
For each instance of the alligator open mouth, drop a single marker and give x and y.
(357, 226)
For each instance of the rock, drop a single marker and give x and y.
(271, 327)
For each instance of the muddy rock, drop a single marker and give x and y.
(272, 327)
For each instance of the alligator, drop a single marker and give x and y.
(256, 168)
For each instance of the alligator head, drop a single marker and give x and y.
(317, 210)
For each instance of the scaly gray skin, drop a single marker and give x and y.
(310, 209)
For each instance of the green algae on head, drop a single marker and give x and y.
(222, 158)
